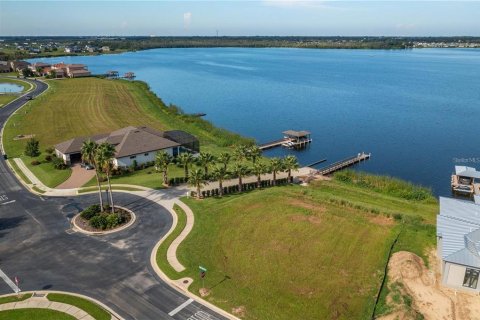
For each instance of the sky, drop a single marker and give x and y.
(241, 18)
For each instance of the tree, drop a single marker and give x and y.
(239, 171)
(259, 169)
(32, 149)
(254, 153)
(240, 153)
(162, 160)
(276, 165)
(205, 159)
(220, 173)
(27, 73)
(185, 160)
(290, 163)
(88, 151)
(104, 159)
(224, 158)
(197, 180)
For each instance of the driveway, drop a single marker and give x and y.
(78, 178)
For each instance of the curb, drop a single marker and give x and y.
(115, 316)
(100, 233)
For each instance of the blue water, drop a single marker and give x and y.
(10, 88)
(416, 111)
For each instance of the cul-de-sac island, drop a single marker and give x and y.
(238, 177)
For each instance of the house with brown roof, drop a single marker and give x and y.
(19, 65)
(138, 144)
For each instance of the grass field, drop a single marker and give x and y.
(89, 307)
(15, 298)
(317, 252)
(6, 98)
(81, 107)
(36, 314)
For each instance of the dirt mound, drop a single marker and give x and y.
(422, 292)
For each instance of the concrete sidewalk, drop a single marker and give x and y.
(44, 303)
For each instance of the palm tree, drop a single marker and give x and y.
(104, 159)
(239, 171)
(220, 173)
(88, 152)
(291, 163)
(259, 169)
(197, 180)
(205, 159)
(162, 160)
(240, 153)
(254, 153)
(224, 158)
(276, 165)
(185, 160)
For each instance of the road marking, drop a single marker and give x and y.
(9, 282)
(31, 215)
(180, 307)
(3, 197)
(201, 315)
(8, 202)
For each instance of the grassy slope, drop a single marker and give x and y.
(6, 98)
(37, 314)
(80, 107)
(91, 308)
(293, 250)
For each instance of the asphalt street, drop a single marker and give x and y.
(38, 246)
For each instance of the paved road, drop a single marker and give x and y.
(37, 245)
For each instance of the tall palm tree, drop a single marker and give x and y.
(88, 151)
(104, 159)
(185, 160)
(259, 168)
(254, 153)
(224, 158)
(240, 153)
(239, 171)
(162, 160)
(291, 163)
(197, 180)
(276, 165)
(220, 173)
(205, 159)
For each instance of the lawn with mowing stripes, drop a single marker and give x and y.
(88, 306)
(300, 252)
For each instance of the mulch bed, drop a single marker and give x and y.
(84, 225)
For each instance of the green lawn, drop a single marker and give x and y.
(15, 298)
(162, 250)
(289, 251)
(6, 98)
(19, 172)
(89, 307)
(36, 314)
(81, 107)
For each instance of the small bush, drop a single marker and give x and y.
(99, 221)
(113, 220)
(49, 150)
(35, 163)
(48, 158)
(90, 212)
(58, 164)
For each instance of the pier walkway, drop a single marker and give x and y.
(343, 164)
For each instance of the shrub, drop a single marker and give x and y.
(49, 150)
(48, 158)
(58, 164)
(90, 212)
(35, 163)
(99, 222)
(32, 149)
(113, 220)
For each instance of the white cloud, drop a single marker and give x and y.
(187, 20)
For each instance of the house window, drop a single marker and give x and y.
(471, 278)
(133, 157)
(146, 154)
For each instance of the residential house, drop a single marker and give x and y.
(77, 70)
(19, 65)
(458, 243)
(105, 49)
(132, 144)
(39, 68)
(4, 66)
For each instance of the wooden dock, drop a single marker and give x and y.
(291, 139)
(339, 165)
(272, 144)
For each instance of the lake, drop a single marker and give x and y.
(10, 88)
(416, 111)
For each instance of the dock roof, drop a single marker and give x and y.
(297, 134)
(468, 172)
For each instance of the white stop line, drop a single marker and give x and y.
(9, 282)
(201, 315)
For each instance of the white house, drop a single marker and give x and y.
(132, 144)
(458, 243)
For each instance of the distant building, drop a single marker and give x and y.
(458, 243)
(138, 144)
(4, 66)
(105, 49)
(19, 65)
